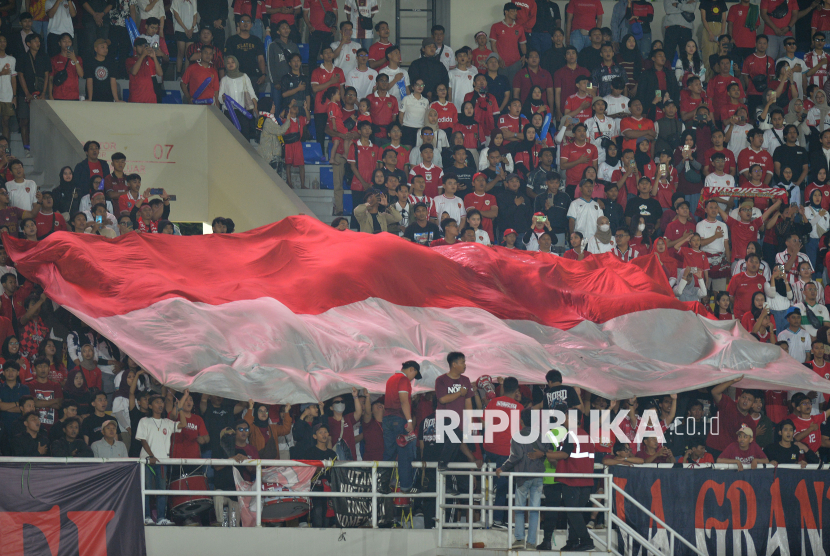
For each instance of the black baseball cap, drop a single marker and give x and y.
(414, 365)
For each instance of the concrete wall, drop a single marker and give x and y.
(192, 151)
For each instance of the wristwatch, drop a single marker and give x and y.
(409, 420)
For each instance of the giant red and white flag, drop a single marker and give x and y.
(297, 311)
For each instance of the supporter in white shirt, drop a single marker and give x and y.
(736, 133)
(793, 243)
(603, 240)
(6, 91)
(584, 211)
(345, 50)
(461, 77)
(708, 228)
(60, 20)
(156, 11)
(443, 52)
(396, 73)
(795, 335)
(601, 126)
(616, 102)
(774, 137)
(448, 203)
(362, 78)
(414, 107)
(810, 301)
(22, 192)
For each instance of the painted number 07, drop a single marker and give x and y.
(162, 151)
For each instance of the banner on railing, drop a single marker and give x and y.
(281, 505)
(356, 512)
(71, 509)
(740, 513)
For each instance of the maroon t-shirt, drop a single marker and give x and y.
(10, 217)
(730, 420)
(112, 183)
(373, 439)
(733, 451)
(445, 384)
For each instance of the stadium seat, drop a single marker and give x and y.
(313, 153)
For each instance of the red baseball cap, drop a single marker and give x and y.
(477, 174)
(509, 231)
(538, 214)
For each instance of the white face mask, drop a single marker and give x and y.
(641, 227)
(339, 407)
(604, 227)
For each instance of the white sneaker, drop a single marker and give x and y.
(599, 526)
(590, 524)
(518, 545)
(149, 521)
(164, 521)
(28, 153)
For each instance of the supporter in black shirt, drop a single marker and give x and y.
(643, 205)
(17, 38)
(100, 82)
(555, 205)
(34, 67)
(302, 431)
(91, 429)
(249, 50)
(69, 409)
(70, 446)
(32, 442)
(218, 413)
(139, 411)
(294, 85)
(515, 207)
(320, 451)
(555, 393)
(792, 155)
(553, 58)
(590, 57)
(613, 211)
(460, 166)
(422, 231)
(787, 450)
(390, 166)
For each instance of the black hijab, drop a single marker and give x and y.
(631, 55)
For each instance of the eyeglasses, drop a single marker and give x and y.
(818, 39)
(14, 343)
(428, 134)
(126, 224)
(243, 430)
(789, 44)
(418, 85)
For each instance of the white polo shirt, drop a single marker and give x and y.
(585, 214)
(706, 230)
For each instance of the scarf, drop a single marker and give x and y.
(465, 120)
(753, 17)
(434, 126)
(235, 73)
(823, 109)
(668, 262)
(792, 117)
(530, 104)
(603, 237)
(642, 159)
(612, 160)
(70, 384)
(152, 227)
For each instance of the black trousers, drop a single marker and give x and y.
(316, 42)
(119, 50)
(320, 121)
(675, 36)
(553, 498)
(576, 497)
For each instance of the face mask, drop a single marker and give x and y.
(339, 407)
(641, 227)
(604, 227)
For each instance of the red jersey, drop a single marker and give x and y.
(665, 189)
(510, 123)
(470, 133)
(742, 233)
(630, 185)
(479, 58)
(823, 371)
(317, 13)
(821, 20)
(825, 192)
(748, 157)
(776, 406)
(195, 75)
(636, 124)
(772, 5)
(755, 65)
(377, 52)
(509, 410)
(707, 458)
(675, 230)
(396, 384)
(246, 7)
(742, 287)
(508, 38)
(484, 202)
(142, 83)
(434, 176)
(716, 89)
(585, 13)
(384, 110)
(366, 157)
(729, 166)
(48, 223)
(526, 15)
(812, 60)
(694, 259)
(812, 440)
(276, 18)
(403, 155)
(575, 101)
(68, 90)
(321, 75)
(742, 37)
(690, 104)
(572, 151)
(447, 114)
(184, 440)
(728, 110)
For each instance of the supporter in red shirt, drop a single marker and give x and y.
(433, 175)
(372, 428)
(635, 126)
(734, 102)
(46, 219)
(533, 76)
(696, 453)
(582, 15)
(187, 440)
(282, 10)
(691, 97)
(820, 183)
(198, 73)
(398, 419)
(758, 320)
(478, 56)
(744, 285)
(57, 372)
(193, 52)
(363, 158)
(742, 37)
(143, 68)
(578, 155)
(680, 230)
(89, 366)
(717, 87)
(732, 416)
(447, 111)
(383, 107)
(48, 395)
(511, 124)
(754, 154)
(743, 451)
(506, 407)
(579, 105)
(652, 452)
(377, 52)
(807, 426)
(12, 298)
(746, 229)
(729, 164)
(485, 203)
(74, 66)
(507, 38)
(755, 65)
(115, 184)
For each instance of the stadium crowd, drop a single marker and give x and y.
(573, 141)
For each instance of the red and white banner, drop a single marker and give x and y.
(298, 312)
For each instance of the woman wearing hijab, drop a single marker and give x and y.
(611, 163)
(468, 127)
(67, 198)
(497, 143)
(76, 389)
(668, 262)
(264, 434)
(535, 102)
(526, 152)
(121, 400)
(795, 115)
(237, 86)
(603, 240)
(631, 60)
(816, 121)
